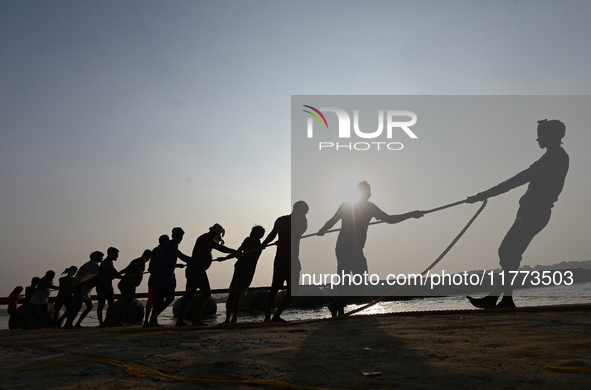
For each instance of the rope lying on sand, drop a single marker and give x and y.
(139, 371)
(568, 369)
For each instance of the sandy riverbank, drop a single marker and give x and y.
(459, 350)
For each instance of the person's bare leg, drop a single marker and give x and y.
(270, 302)
(88, 304)
(196, 321)
(236, 307)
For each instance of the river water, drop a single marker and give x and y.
(557, 295)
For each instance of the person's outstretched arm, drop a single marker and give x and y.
(396, 218)
(276, 227)
(224, 249)
(330, 223)
(183, 257)
(518, 180)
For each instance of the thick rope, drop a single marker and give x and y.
(377, 222)
(568, 369)
(437, 260)
(336, 230)
(441, 256)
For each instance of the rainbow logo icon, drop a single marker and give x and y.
(315, 116)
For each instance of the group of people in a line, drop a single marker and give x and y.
(99, 272)
(545, 177)
(74, 291)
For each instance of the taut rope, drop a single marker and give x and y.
(437, 260)
(377, 222)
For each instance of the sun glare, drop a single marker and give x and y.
(345, 191)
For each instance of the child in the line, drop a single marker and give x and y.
(14, 298)
(64, 296)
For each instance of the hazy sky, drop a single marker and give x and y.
(122, 120)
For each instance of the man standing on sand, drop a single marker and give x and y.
(165, 280)
(546, 180)
(82, 285)
(287, 266)
(152, 267)
(244, 269)
(353, 234)
(104, 286)
(132, 277)
(196, 272)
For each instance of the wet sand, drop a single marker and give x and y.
(456, 350)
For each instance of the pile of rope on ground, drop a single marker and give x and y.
(139, 371)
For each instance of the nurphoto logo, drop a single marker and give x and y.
(396, 120)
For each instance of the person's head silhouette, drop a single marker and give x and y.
(70, 271)
(177, 235)
(300, 207)
(97, 256)
(550, 133)
(257, 232)
(113, 253)
(147, 254)
(364, 190)
(218, 231)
